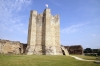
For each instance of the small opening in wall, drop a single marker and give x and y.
(63, 52)
(20, 50)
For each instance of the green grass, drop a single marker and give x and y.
(41, 60)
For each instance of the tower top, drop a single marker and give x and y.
(47, 10)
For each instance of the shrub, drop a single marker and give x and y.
(98, 53)
(91, 54)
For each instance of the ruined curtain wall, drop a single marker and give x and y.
(9, 47)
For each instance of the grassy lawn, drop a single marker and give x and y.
(87, 57)
(42, 60)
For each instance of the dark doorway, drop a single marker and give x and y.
(20, 50)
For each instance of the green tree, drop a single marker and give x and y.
(94, 50)
(98, 53)
(88, 50)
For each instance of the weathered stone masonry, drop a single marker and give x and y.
(12, 47)
(44, 34)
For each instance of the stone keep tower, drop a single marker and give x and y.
(44, 34)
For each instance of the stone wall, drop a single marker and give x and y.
(75, 49)
(11, 47)
(23, 48)
(44, 34)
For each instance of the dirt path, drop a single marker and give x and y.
(80, 58)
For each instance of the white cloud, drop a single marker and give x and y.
(72, 29)
(99, 35)
(94, 35)
(55, 2)
(9, 20)
(12, 24)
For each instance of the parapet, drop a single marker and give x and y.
(47, 10)
(33, 13)
(56, 16)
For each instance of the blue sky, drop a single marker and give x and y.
(79, 20)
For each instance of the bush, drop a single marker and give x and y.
(91, 54)
(98, 53)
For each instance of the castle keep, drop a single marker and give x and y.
(43, 34)
(43, 37)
